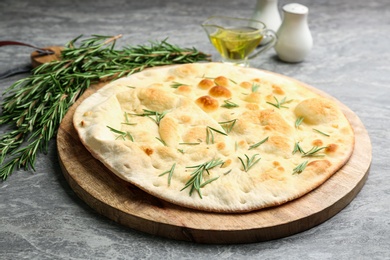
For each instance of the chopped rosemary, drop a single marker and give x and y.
(229, 104)
(127, 122)
(161, 140)
(170, 171)
(154, 115)
(313, 152)
(177, 84)
(124, 123)
(210, 135)
(255, 87)
(226, 173)
(34, 107)
(232, 81)
(253, 146)
(121, 133)
(189, 143)
(195, 182)
(130, 136)
(280, 104)
(318, 131)
(299, 121)
(300, 168)
(298, 148)
(250, 162)
(228, 125)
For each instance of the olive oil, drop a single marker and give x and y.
(236, 43)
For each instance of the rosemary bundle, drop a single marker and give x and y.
(34, 107)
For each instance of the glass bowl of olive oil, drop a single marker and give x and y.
(238, 40)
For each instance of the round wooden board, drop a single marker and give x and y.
(132, 207)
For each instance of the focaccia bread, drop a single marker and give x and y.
(216, 137)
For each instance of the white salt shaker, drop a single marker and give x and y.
(266, 11)
(294, 37)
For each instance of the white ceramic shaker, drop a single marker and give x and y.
(294, 37)
(266, 11)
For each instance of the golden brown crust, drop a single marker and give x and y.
(221, 81)
(277, 90)
(205, 84)
(317, 111)
(245, 84)
(331, 148)
(207, 103)
(220, 91)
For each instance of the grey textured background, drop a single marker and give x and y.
(42, 218)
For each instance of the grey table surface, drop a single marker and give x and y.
(42, 218)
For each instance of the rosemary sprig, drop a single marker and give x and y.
(249, 162)
(228, 125)
(161, 140)
(177, 84)
(300, 168)
(229, 104)
(298, 148)
(255, 87)
(226, 173)
(299, 121)
(318, 131)
(189, 143)
(280, 104)
(121, 134)
(170, 171)
(154, 115)
(313, 152)
(210, 135)
(127, 121)
(34, 107)
(196, 181)
(253, 146)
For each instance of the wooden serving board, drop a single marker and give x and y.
(132, 207)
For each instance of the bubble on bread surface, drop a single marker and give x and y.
(207, 103)
(186, 70)
(184, 90)
(169, 130)
(157, 99)
(278, 145)
(220, 91)
(205, 84)
(221, 81)
(252, 106)
(270, 119)
(246, 85)
(317, 111)
(253, 97)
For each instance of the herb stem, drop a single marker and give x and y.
(196, 181)
(249, 162)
